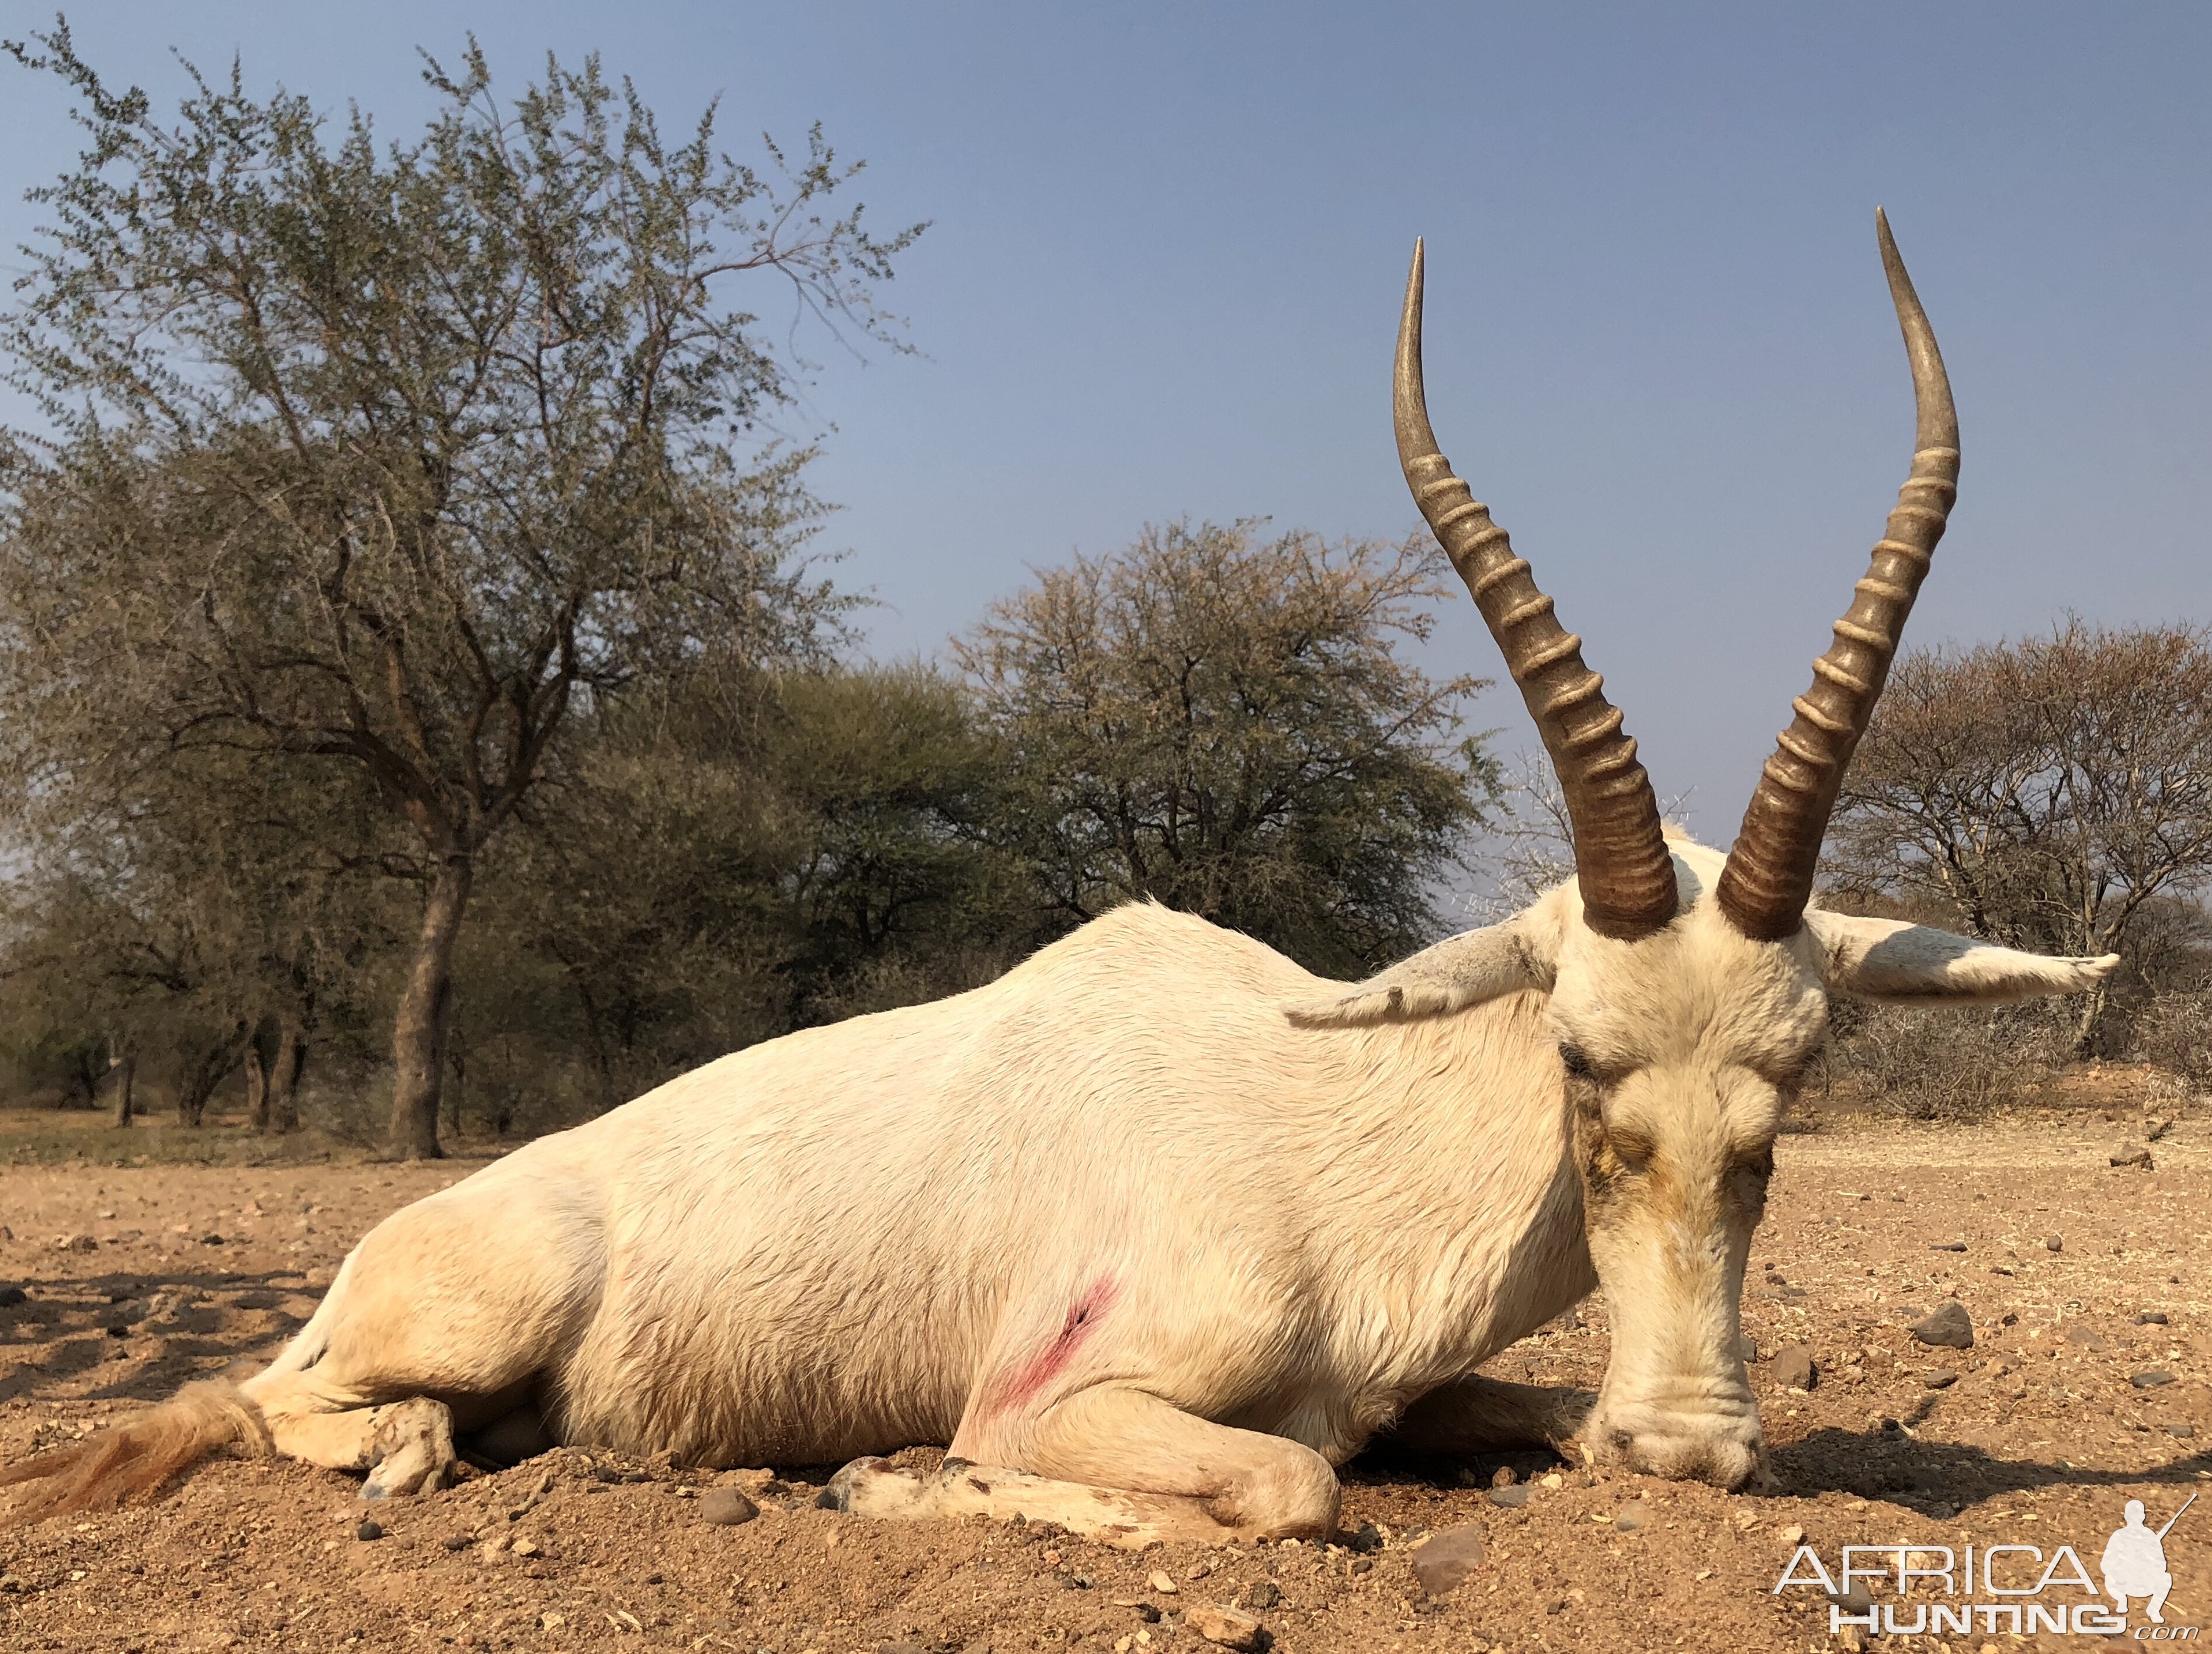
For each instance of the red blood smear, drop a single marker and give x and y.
(1022, 1384)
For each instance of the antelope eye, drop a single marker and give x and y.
(1576, 1061)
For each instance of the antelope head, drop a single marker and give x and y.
(1688, 993)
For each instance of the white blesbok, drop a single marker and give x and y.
(1158, 1229)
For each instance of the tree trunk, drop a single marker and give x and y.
(256, 1089)
(2089, 1023)
(426, 1016)
(198, 1082)
(284, 1075)
(126, 1076)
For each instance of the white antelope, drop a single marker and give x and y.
(1157, 1230)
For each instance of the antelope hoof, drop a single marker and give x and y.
(412, 1449)
(870, 1486)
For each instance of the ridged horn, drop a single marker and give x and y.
(1621, 862)
(1769, 876)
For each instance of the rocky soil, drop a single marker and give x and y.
(2074, 1397)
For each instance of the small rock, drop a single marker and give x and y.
(1939, 1378)
(76, 1243)
(2150, 1380)
(210, 1240)
(1854, 1601)
(725, 1507)
(1948, 1328)
(2156, 1126)
(2054, 1243)
(370, 1529)
(2080, 1332)
(1264, 1594)
(455, 1542)
(527, 1546)
(1947, 1246)
(1363, 1564)
(2181, 1431)
(12, 1296)
(1226, 1627)
(1629, 1517)
(1367, 1541)
(1504, 1476)
(1792, 1535)
(1793, 1368)
(551, 1621)
(2151, 1318)
(1444, 1560)
(1198, 1570)
(1159, 1582)
(2135, 1156)
(1508, 1498)
(1554, 1480)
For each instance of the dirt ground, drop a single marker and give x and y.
(2054, 1420)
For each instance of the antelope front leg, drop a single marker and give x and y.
(1485, 1415)
(1121, 1467)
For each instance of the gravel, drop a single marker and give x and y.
(1443, 1561)
(1226, 1627)
(1949, 1327)
(1793, 1368)
(725, 1507)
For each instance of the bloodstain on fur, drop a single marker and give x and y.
(1023, 1383)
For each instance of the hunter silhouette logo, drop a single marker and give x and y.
(2134, 1563)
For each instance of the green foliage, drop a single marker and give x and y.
(379, 461)
(1224, 724)
(407, 538)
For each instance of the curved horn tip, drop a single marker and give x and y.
(1891, 259)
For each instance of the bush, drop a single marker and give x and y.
(1916, 1063)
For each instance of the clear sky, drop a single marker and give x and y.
(1169, 244)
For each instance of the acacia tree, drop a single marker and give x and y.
(391, 456)
(193, 925)
(1223, 723)
(744, 853)
(2053, 792)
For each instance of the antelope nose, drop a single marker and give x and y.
(1728, 1458)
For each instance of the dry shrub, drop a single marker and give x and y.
(2174, 1031)
(1915, 1063)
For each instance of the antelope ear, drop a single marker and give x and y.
(1901, 963)
(1468, 970)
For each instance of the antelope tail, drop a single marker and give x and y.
(134, 1458)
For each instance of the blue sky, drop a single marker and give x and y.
(1169, 243)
